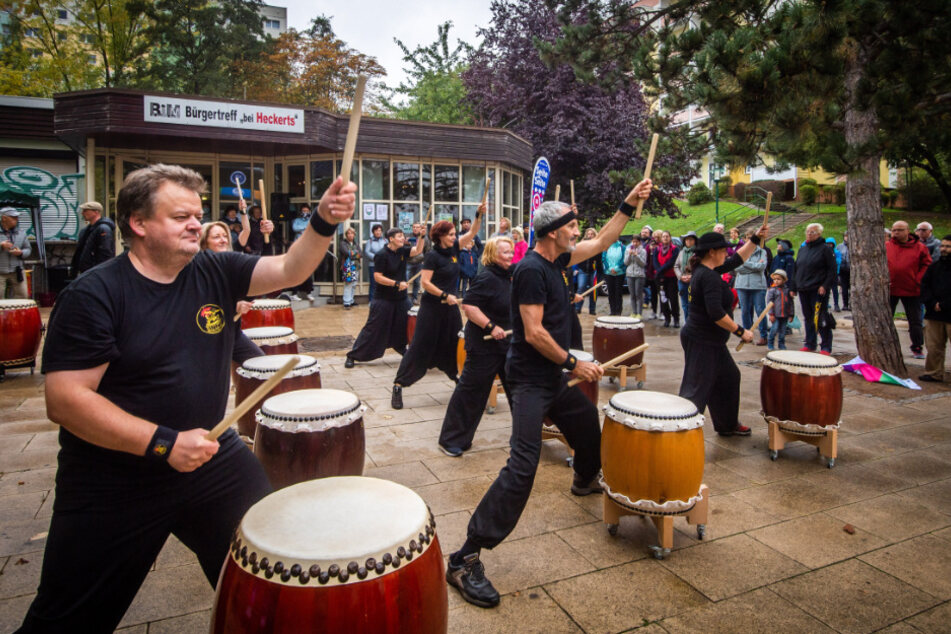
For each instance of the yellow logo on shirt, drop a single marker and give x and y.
(564, 276)
(455, 259)
(210, 319)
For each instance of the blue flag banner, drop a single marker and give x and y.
(539, 184)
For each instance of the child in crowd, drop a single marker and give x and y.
(783, 309)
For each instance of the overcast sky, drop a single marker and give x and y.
(369, 26)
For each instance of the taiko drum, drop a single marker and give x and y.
(411, 315)
(269, 312)
(588, 388)
(20, 329)
(274, 339)
(801, 387)
(255, 371)
(614, 335)
(652, 451)
(346, 554)
(309, 434)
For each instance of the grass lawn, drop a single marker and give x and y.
(700, 218)
(833, 221)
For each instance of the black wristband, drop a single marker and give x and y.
(739, 331)
(489, 327)
(570, 363)
(625, 209)
(444, 295)
(160, 447)
(321, 226)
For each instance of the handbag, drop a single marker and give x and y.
(824, 319)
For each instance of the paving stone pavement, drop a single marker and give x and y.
(775, 556)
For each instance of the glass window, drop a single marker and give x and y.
(321, 176)
(404, 215)
(206, 173)
(354, 170)
(506, 188)
(446, 179)
(279, 177)
(296, 181)
(446, 212)
(376, 179)
(427, 183)
(227, 174)
(473, 183)
(406, 177)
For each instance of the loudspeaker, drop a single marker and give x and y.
(280, 206)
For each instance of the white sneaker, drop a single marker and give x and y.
(310, 297)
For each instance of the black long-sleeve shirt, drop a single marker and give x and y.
(710, 300)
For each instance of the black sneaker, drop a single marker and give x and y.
(929, 378)
(396, 401)
(452, 452)
(581, 487)
(469, 579)
(348, 363)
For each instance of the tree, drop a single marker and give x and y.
(435, 91)
(116, 31)
(310, 68)
(592, 134)
(813, 82)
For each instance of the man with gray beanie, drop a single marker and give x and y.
(97, 241)
(14, 248)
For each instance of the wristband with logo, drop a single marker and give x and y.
(739, 331)
(489, 327)
(570, 363)
(160, 447)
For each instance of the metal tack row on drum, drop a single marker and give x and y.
(273, 339)
(345, 554)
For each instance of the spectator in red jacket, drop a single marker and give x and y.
(908, 259)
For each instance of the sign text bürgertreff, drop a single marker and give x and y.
(219, 114)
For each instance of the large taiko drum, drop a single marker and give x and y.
(20, 329)
(341, 554)
(461, 350)
(801, 389)
(614, 335)
(309, 434)
(411, 322)
(255, 371)
(652, 452)
(274, 339)
(588, 388)
(269, 312)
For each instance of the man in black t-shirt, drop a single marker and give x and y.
(136, 361)
(542, 322)
(386, 323)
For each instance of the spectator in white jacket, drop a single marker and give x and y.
(635, 258)
(751, 288)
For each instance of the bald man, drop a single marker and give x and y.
(908, 259)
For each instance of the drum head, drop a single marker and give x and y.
(274, 362)
(334, 530)
(269, 332)
(616, 321)
(795, 358)
(581, 355)
(270, 304)
(16, 304)
(653, 411)
(310, 410)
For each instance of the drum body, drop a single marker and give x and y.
(461, 351)
(255, 371)
(273, 339)
(334, 555)
(411, 322)
(652, 451)
(269, 312)
(588, 388)
(801, 388)
(20, 329)
(613, 336)
(309, 434)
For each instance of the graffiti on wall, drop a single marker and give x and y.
(58, 196)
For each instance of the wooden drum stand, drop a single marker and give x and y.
(638, 371)
(664, 522)
(825, 441)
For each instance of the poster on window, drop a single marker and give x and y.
(443, 215)
(406, 219)
(369, 211)
(382, 212)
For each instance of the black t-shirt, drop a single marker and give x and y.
(391, 264)
(490, 292)
(710, 299)
(538, 281)
(168, 346)
(444, 263)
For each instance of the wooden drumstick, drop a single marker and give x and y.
(242, 408)
(351, 145)
(600, 285)
(647, 173)
(769, 201)
(572, 184)
(615, 361)
(508, 333)
(237, 316)
(762, 315)
(267, 236)
(485, 193)
(557, 192)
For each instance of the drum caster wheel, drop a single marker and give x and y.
(612, 529)
(489, 410)
(570, 461)
(701, 531)
(831, 463)
(659, 552)
(773, 454)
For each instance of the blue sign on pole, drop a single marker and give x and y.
(539, 184)
(237, 177)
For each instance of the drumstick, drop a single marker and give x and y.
(353, 130)
(769, 200)
(647, 173)
(615, 361)
(242, 408)
(485, 193)
(557, 192)
(572, 183)
(508, 333)
(756, 323)
(593, 288)
(267, 236)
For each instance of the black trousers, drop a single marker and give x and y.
(670, 307)
(711, 379)
(108, 526)
(615, 290)
(653, 287)
(470, 396)
(912, 306)
(434, 342)
(845, 281)
(576, 417)
(808, 300)
(385, 328)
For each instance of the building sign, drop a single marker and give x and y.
(539, 184)
(217, 114)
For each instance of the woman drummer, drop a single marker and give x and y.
(487, 307)
(711, 378)
(438, 322)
